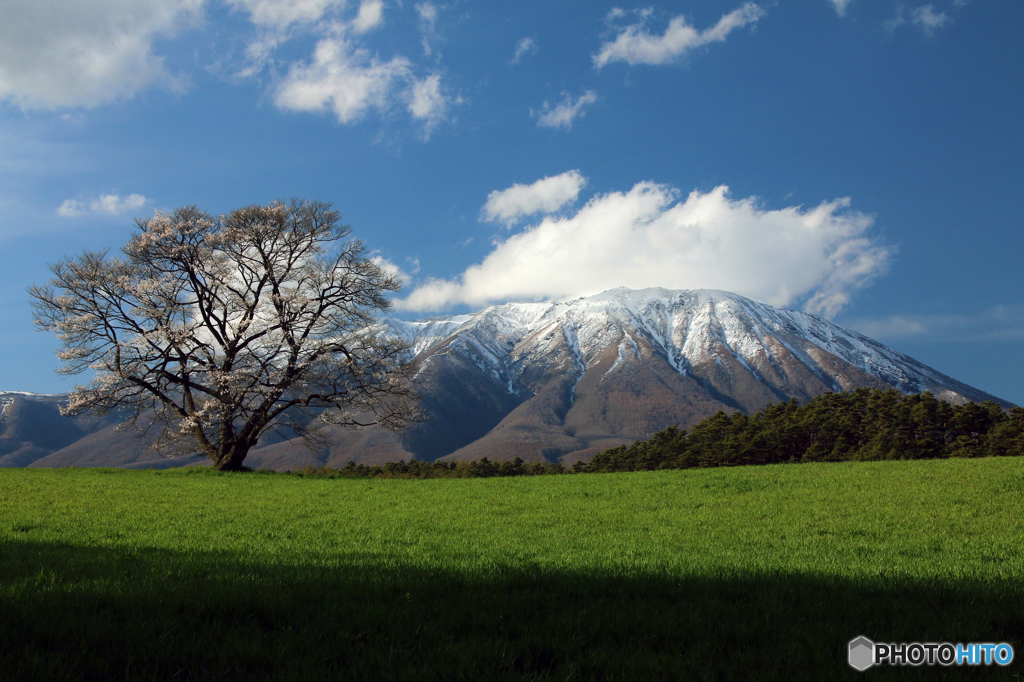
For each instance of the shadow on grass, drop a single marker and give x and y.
(88, 613)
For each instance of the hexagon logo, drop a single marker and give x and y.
(861, 653)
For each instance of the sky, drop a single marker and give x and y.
(862, 160)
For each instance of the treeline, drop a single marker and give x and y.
(478, 468)
(861, 425)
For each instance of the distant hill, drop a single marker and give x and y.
(31, 427)
(562, 381)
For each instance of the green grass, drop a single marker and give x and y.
(741, 573)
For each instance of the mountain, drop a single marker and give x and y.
(608, 369)
(31, 427)
(562, 380)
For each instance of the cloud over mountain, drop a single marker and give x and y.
(647, 237)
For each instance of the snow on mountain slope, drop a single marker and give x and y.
(686, 329)
(562, 380)
(423, 334)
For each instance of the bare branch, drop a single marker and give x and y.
(228, 327)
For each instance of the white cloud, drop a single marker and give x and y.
(279, 20)
(345, 80)
(428, 13)
(544, 196)
(924, 17)
(524, 47)
(280, 14)
(350, 81)
(392, 268)
(371, 15)
(113, 204)
(70, 53)
(841, 6)
(928, 20)
(646, 237)
(342, 76)
(70, 208)
(565, 112)
(428, 23)
(634, 45)
(427, 103)
(259, 52)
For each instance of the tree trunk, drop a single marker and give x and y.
(232, 459)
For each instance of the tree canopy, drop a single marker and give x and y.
(860, 425)
(227, 327)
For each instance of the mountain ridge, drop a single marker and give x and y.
(894, 368)
(561, 380)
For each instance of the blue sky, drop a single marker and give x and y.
(860, 159)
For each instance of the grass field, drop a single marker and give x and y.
(741, 573)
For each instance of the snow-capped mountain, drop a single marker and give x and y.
(559, 379)
(686, 329)
(563, 380)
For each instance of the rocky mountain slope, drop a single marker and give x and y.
(598, 371)
(563, 380)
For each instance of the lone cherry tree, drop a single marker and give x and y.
(226, 327)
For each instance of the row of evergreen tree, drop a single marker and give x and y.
(861, 425)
